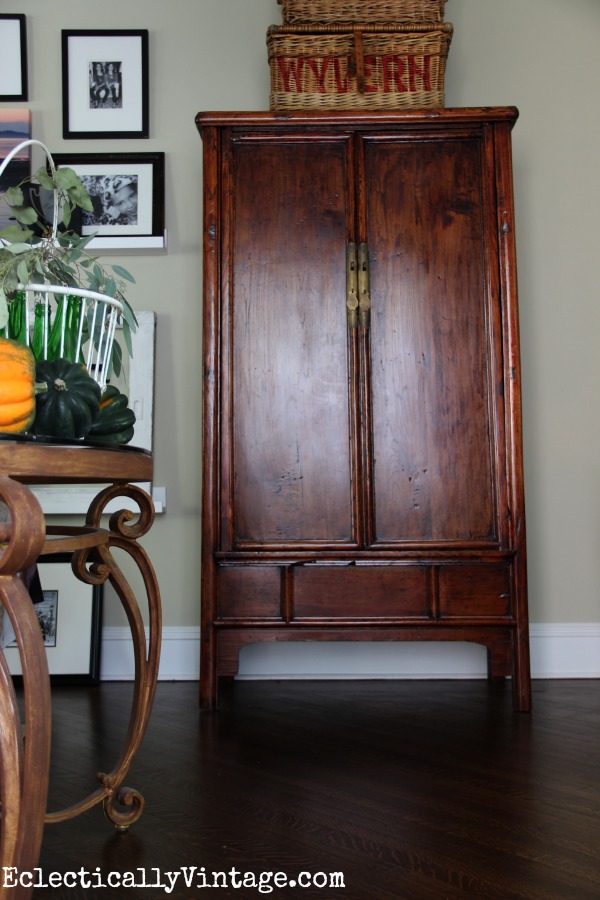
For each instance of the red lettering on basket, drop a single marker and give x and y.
(393, 68)
(294, 69)
(399, 74)
(340, 83)
(414, 71)
(320, 71)
(370, 62)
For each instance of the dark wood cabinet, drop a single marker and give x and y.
(362, 463)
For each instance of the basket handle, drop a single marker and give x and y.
(31, 143)
(357, 60)
(359, 53)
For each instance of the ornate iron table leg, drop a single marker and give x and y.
(24, 765)
(95, 565)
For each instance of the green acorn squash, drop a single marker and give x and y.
(72, 401)
(114, 423)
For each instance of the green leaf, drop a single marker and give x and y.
(66, 178)
(93, 281)
(66, 214)
(80, 197)
(83, 240)
(14, 196)
(42, 177)
(24, 214)
(17, 248)
(39, 267)
(14, 234)
(129, 319)
(116, 358)
(23, 271)
(123, 273)
(110, 287)
(127, 338)
(10, 282)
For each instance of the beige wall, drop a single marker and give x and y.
(540, 55)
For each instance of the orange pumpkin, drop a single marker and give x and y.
(17, 386)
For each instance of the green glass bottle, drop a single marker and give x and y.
(17, 327)
(39, 329)
(72, 328)
(55, 339)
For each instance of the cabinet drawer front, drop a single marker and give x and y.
(474, 591)
(360, 591)
(249, 591)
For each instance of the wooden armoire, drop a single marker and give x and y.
(362, 455)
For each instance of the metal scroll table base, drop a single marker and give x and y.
(24, 764)
(93, 562)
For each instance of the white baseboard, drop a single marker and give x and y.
(562, 650)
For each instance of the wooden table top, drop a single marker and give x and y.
(33, 461)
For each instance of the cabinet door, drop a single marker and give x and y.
(434, 346)
(287, 454)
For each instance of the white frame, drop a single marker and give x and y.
(13, 59)
(130, 49)
(75, 628)
(149, 168)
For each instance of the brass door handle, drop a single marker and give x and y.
(364, 286)
(351, 285)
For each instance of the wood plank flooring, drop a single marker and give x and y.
(413, 790)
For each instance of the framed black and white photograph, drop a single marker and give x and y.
(105, 84)
(13, 57)
(127, 192)
(70, 617)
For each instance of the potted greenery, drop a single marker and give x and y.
(34, 251)
(79, 301)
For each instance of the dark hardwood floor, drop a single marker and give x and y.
(413, 790)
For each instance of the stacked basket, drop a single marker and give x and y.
(359, 54)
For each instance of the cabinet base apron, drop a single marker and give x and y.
(392, 601)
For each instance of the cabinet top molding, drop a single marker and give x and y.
(430, 117)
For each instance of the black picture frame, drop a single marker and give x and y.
(142, 174)
(105, 84)
(76, 605)
(13, 65)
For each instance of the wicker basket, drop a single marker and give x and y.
(324, 12)
(364, 67)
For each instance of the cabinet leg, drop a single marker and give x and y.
(521, 672)
(499, 660)
(209, 682)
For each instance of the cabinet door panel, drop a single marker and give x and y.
(291, 417)
(430, 356)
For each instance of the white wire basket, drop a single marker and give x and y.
(46, 305)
